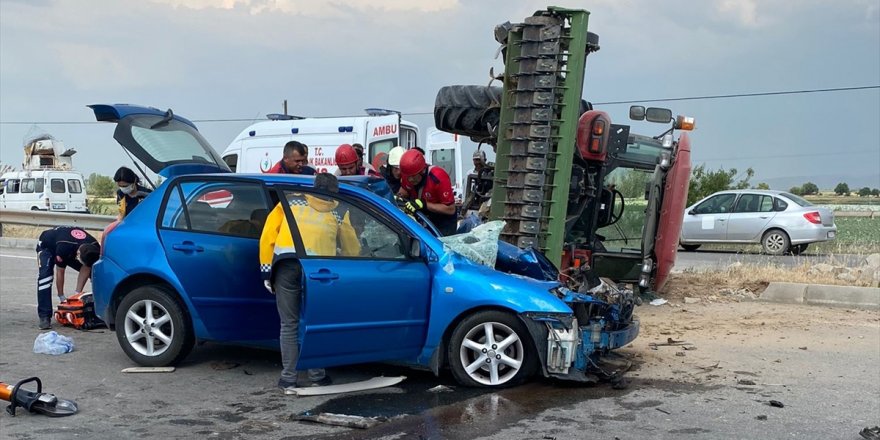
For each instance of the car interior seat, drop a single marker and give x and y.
(202, 216)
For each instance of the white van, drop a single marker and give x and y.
(257, 148)
(444, 150)
(44, 190)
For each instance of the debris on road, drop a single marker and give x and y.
(663, 411)
(440, 389)
(746, 382)
(689, 300)
(870, 433)
(223, 365)
(658, 302)
(669, 343)
(53, 343)
(679, 353)
(802, 348)
(762, 417)
(339, 420)
(709, 368)
(369, 384)
(148, 370)
(776, 404)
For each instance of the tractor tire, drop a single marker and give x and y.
(468, 110)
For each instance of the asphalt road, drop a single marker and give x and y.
(829, 392)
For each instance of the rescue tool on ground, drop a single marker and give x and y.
(35, 401)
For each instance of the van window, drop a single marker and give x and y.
(40, 185)
(74, 186)
(231, 161)
(57, 185)
(379, 147)
(408, 137)
(27, 185)
(445, 159)
(12, 186)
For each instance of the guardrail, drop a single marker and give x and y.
(870, 214)
(50, 219)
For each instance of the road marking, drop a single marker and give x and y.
(18, 256)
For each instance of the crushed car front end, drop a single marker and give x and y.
(575, 346)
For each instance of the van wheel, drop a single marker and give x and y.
(34, 208)
(152, 327)
(468, 110)
(690, 247)
(491, 349)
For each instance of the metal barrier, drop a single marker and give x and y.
(50, 219)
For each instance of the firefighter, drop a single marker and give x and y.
(391, 171)
(129, 191)
(295, 160)
(322, 227)
(428, 189)
(370, 170)
(348, 163)
(57, 249)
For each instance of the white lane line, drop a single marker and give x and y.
(18, 256)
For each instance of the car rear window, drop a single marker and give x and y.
(74, 186)
(796, 199)
(57, 185)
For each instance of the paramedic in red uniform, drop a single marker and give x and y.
(347, 160)
(429, 190)
(57, 249)
(294, 161)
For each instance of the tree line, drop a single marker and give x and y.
(704, 182)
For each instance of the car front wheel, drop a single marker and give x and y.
(775, 242)
(690, 247)
(153, 328)
(491, 349)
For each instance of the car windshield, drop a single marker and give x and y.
(796, 199)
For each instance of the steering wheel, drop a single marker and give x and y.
(615, 216)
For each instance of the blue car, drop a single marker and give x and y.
(184, 266)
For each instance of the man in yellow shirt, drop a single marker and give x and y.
(323, 229)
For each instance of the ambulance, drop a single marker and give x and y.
(258, 147)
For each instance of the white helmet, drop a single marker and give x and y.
(394, 156)
(480, 154)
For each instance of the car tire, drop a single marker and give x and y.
(690, 247)
(153, 328)
(468, 110)
(473, 358)
(775, 242)
(798, 249)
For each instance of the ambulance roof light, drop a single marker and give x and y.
(380, 112)
(280, 117)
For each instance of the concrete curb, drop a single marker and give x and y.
(822, 295)
(18, 243)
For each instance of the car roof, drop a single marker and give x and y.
(355, 182)
(751, 191)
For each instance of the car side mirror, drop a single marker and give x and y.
(692, 212)
(415, 248)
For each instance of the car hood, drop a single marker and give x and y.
(160, 139)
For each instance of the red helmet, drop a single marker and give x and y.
(345, 155)
(411, 163)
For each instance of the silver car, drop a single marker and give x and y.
(781, 222)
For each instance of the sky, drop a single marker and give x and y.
(214, 60)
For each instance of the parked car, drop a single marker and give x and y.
(781, 222)
(184, 266)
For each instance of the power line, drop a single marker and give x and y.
(639, 101)
(777, 156)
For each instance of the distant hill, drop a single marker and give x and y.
(824, 182)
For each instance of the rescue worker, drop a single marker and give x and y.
(347, 162)
(479, 158)
(294, 160)
(429, 189)
(370, 169)
(391, 171)
(129, 192)
(322, 229)
(57, 249)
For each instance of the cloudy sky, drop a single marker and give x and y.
(239, 59)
